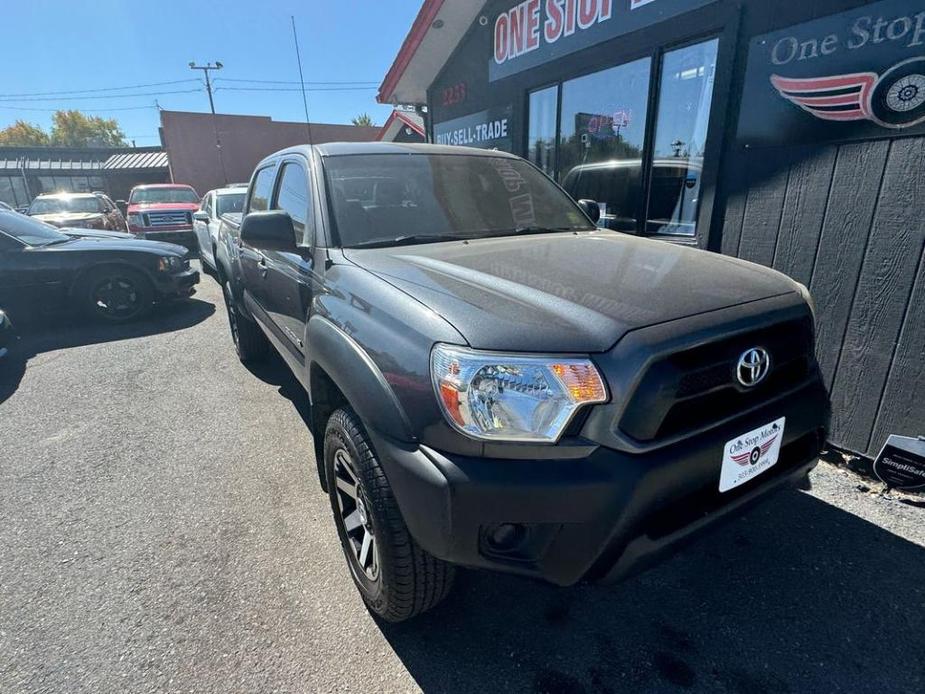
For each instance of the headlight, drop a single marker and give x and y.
(134, 219)
(512, 397)
(170, 263)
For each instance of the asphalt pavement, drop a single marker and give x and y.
(162, 529)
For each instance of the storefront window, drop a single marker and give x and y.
(19, 190)
(680, 137)
(541, 143)
(6, 191)
(602, 140)
(47, 184)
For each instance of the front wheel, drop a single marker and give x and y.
(250, 343)
(116, 294)
(397, 578)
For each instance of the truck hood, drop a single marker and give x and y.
(162, 206)
(63, 219)
(567, 292)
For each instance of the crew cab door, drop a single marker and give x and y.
(252, 261)
(291, 276)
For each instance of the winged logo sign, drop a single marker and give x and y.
(854, 75)
(895, 99)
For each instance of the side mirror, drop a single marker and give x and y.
(269, 231)
(590, 208)
(122, 205)
(201, 216)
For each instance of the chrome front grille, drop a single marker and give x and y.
(167, 219)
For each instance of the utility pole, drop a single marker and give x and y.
(205, 69)
(218, 143)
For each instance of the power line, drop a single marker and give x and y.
(101, 89)
(55, 110)
(103, 96)
(293, 89)
(229, 79)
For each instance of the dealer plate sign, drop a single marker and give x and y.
(747, 456)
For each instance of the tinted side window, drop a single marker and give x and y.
(293, 197)
(261, 191)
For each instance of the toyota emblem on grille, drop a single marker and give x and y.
(753, 366)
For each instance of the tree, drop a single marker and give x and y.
(364, 120)
(76, 129)
(23, 134)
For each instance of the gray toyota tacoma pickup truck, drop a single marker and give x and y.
(496, 383)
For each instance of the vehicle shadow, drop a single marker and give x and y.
(273, 371)
(797, 595)
(61, 332)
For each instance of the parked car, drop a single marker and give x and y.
(616, 186)
(214, 204)
(86, 210)
(496, 383)
(163, 212)
(6, 333)
(43, 270)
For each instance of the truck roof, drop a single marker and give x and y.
(162, 185)
(330, 149)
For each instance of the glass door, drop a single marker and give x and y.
(541, 129)
(685, 97)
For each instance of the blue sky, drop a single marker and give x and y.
(58, 45)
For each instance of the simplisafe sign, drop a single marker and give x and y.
(901, 463)
(536, 31)
(853, 75)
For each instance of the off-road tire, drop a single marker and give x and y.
(249, 341)
(409, 580)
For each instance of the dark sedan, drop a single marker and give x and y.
(114, 279)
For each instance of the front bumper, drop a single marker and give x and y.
(177, 285)
(604, 516)
(181, 236)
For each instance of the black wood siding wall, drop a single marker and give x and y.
(848, 221)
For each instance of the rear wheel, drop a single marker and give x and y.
(396, 577)
(249, 342)
(116, 294)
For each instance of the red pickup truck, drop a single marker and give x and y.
(163, 212)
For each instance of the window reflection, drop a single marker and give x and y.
(541, 137)
(685, 97)
(601, 143)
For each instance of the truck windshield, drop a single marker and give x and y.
(230, 202)
(163, 195)
(380, 199)
(65, 204)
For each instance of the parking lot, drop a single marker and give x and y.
(162, 529)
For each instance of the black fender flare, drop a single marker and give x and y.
(357, 376)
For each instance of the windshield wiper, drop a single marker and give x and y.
(408, 240)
